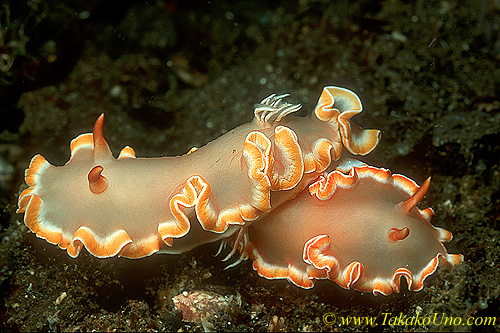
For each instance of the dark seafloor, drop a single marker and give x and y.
(171, 75)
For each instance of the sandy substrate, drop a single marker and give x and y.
(173, 75)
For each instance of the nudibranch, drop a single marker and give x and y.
(360, 229)
(134, 207)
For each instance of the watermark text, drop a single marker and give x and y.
(390, 319)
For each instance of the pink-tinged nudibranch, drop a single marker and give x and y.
(361, 230)
(134, 207)
(278, 189)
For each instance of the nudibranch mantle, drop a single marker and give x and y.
(279, 189)
(361, 230)
(134, 207)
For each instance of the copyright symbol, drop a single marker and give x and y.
(329, 319)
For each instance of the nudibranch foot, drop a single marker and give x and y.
(361, 230)
(134, 207)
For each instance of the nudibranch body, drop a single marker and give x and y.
(279, 189)
(361, 230)
(134, 207)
